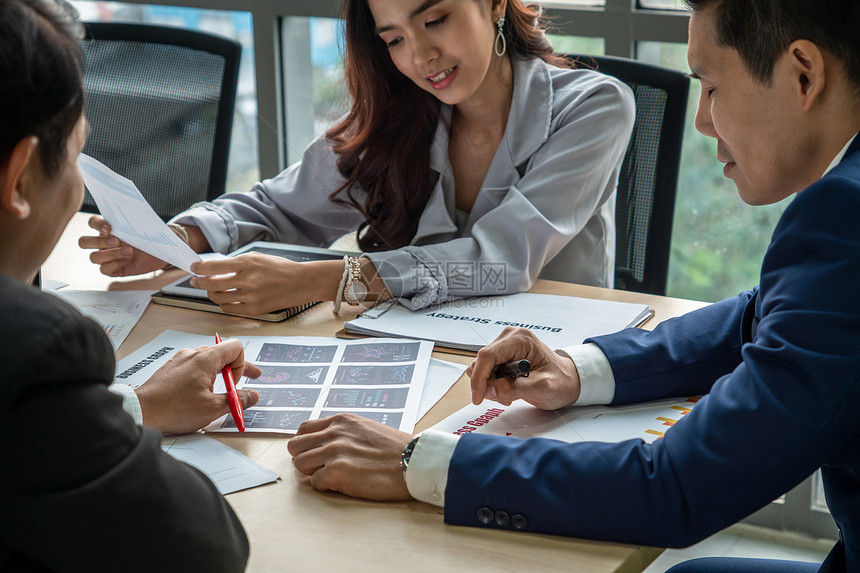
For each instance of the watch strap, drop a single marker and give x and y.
(338, 296)
(406, 454)
(355, 279)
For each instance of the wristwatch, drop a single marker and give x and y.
(356, 288)
(406, 454)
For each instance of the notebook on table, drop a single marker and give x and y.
(181, 294)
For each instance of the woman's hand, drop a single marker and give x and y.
(552, 383)
(114, 257)
(253, 283)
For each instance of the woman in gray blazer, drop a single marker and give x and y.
(472, 159)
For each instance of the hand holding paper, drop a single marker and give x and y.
(131, 218)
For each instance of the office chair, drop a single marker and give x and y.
(648, 181)
(160, 102)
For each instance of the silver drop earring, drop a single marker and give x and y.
(500, 39)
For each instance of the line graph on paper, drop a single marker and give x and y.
(116, 311)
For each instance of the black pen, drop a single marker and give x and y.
(513, 369)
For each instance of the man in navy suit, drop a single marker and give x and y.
(780, 364)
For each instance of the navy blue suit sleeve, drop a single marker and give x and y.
(681, 356)
(769, 421)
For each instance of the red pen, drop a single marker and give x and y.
(232, 396)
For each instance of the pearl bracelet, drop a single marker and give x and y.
(338, 296)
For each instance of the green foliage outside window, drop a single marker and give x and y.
(718, 241)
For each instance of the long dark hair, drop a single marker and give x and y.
(383, 144)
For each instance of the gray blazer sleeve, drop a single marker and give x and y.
(293, 207)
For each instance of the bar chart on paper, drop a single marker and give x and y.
(678, 411)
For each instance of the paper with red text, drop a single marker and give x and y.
(648, 421)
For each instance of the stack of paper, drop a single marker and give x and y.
(470, 324)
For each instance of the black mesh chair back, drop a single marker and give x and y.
(645, 202)
(160, 102)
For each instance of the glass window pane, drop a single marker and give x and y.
(718, 241)
(330, 97)
(314, 88)
(243, 170)
(578, 45)
(571, 3)
(663, 4)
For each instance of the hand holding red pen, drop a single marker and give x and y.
(179, 397)
(232, 397)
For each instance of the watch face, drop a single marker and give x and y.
(355, 292)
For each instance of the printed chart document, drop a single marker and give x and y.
(647, 421)
(228, 469)
(116, 311)
(307, 377)
(132, 219)
(470, 324)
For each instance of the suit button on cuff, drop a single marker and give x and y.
(485, 515)
(519, 521)
(503, 519)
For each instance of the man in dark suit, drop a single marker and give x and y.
(780, 364)
(83, 488)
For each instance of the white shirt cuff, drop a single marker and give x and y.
(130, 403)
(427, 475)
(595, 374)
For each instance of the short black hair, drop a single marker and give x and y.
(761, 30)
(41, 91)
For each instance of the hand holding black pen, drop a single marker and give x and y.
(518, 366)
(513, 369)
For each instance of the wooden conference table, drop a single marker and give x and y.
(294, 528)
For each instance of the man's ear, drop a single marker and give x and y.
(807, 64)
(16, 175)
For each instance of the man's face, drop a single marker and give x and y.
(755, 125)
(59, 196)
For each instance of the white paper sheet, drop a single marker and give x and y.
(440, 377)
(469, 324)
(49, 285)
(648, 421)
(307, 377)
(116, 311)
(228, 469)
(131, 217)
